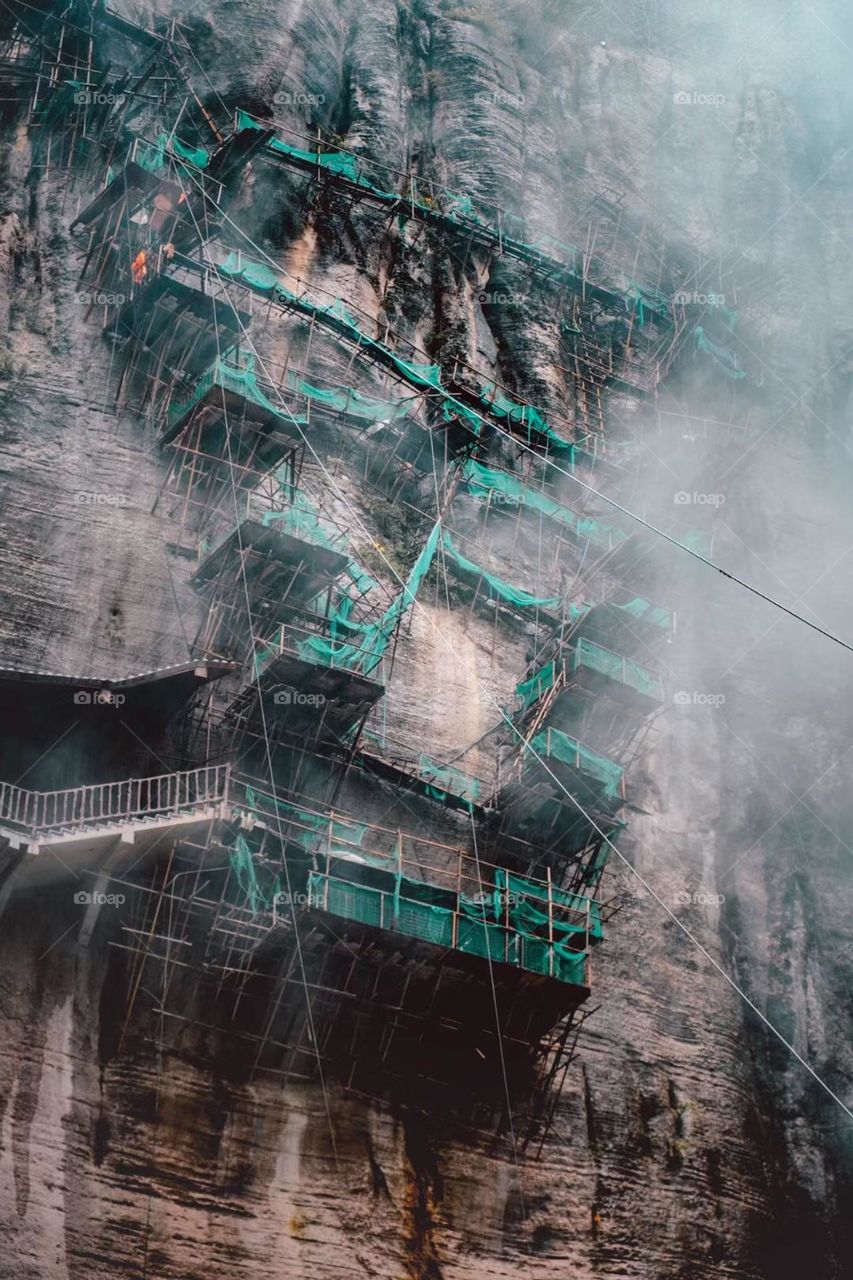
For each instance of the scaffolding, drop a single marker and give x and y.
(447, 976)
(390, 936)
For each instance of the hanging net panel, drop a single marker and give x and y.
(375, 637)
(155, 156)
(624, 670)
(502, 487)
(353, 403)
(497, 589)
(235, 374)
(553, 744)
(722, 357)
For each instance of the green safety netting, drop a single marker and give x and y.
(532, 689)
(554, 743)
(261, 277)
(351, 402)
(442, 780)
(342, 163)
(154, 156)
(646, 301)
(517, 886)
(455, 409)
(375, 636)
(722, 357)
(481, 481)
(235, 374)
(641, 608)
(407, 909)
(300, 520)
(522, 415)
(339, 829)
(594, 656)
(258, 896)
(497, 587)
(362, 580)
(424, 377)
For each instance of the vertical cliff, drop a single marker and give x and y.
(706, 150)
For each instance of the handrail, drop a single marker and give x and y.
(501, 942)
(75, 809)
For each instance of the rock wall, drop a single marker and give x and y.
(689, 1142)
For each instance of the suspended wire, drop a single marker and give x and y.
(596, 493)
(447, 643)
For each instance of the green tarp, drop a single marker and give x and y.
(154, 156)
(239, 378)
(644, 300)
(351, 402)
(532, 689)
(643, 609)
(482, 481)
(482, 927)
(496, 587)
(647, 302)
(375, 637)
(500, 406)
(595, 657)
(300, 519)
(442, 780)
(553, 743)
(722, 357)
(350, 833)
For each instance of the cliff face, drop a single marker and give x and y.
(688, 1140)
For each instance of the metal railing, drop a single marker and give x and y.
(110, 803)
